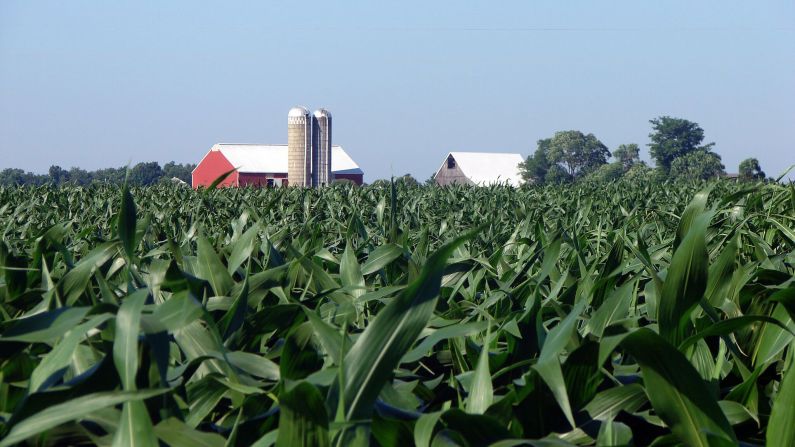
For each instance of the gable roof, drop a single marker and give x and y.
(272, 158)
(487, 168)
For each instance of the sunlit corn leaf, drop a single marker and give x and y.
(677, 393)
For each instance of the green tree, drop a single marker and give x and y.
(79, 176)
(180, 171)
(628, 155)
(556, 175)
(607, 172)
(578, 154)
(408, 180)
(697, 165)
(12, 176)
(640, 171)
(110, 175)
(750, 170)
(534, 168)
(674, 137)
(144, 174)
(58, 175)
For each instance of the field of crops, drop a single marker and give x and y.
(627, 314)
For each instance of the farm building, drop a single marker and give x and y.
(479, 168)
(263, 165)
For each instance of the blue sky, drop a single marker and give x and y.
(99, 84)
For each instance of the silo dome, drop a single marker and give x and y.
(296, 112)
(322, 113)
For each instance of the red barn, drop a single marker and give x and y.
(263, 165)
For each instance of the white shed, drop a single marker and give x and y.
(480, 168)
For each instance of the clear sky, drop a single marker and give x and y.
(98, 84)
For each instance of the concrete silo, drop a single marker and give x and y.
(321, 148)
(299, 147)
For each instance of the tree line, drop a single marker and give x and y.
(141, 174)
(677, 148)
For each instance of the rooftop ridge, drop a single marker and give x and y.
(261, 144)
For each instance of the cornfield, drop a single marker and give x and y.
(632, 313)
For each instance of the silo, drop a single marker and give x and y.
(321, 147)
(299, 147)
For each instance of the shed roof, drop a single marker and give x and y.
(487, 168)
(272, 158)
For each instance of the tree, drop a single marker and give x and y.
(182, 172)
(408, 180)
(640, 171)
(607, 172)
(534, 168)
(557, 175)
(628, 155)
(12, 176)
(697, 165)
(18, 177)
(750, 170)
(58, 175)
(110, 175)
(577, 153)
(145, 174)
(674, 137)
(79, 176)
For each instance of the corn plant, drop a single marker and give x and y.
(631, 313)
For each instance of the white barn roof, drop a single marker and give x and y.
(487, 168)
(272, 158)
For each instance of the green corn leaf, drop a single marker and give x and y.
(371, 360)
(685, 283)
(135, 427)
(692, 212)
(61, 354)
(676, 391)
(379, 258)
(607, 404)
(720, 274)
(71, 410)
(447, 332)
(725, 327)
(180, 310)
(781, 429)
(175, 433)
(254, 364)
(125, 345)
(423, 429)
(481, 393)
(614, 308)
(242, 249)
(548, 365)
(45, 327)
(73, 285)
(350, 272)
(303, 420)
(329, 337)
(211, 269)
(613, 434)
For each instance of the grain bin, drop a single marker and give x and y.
(321, 148)
(299, 147)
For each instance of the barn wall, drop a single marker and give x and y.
(210, 168)
(448, 176)
(261, 179)
(355, 178)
